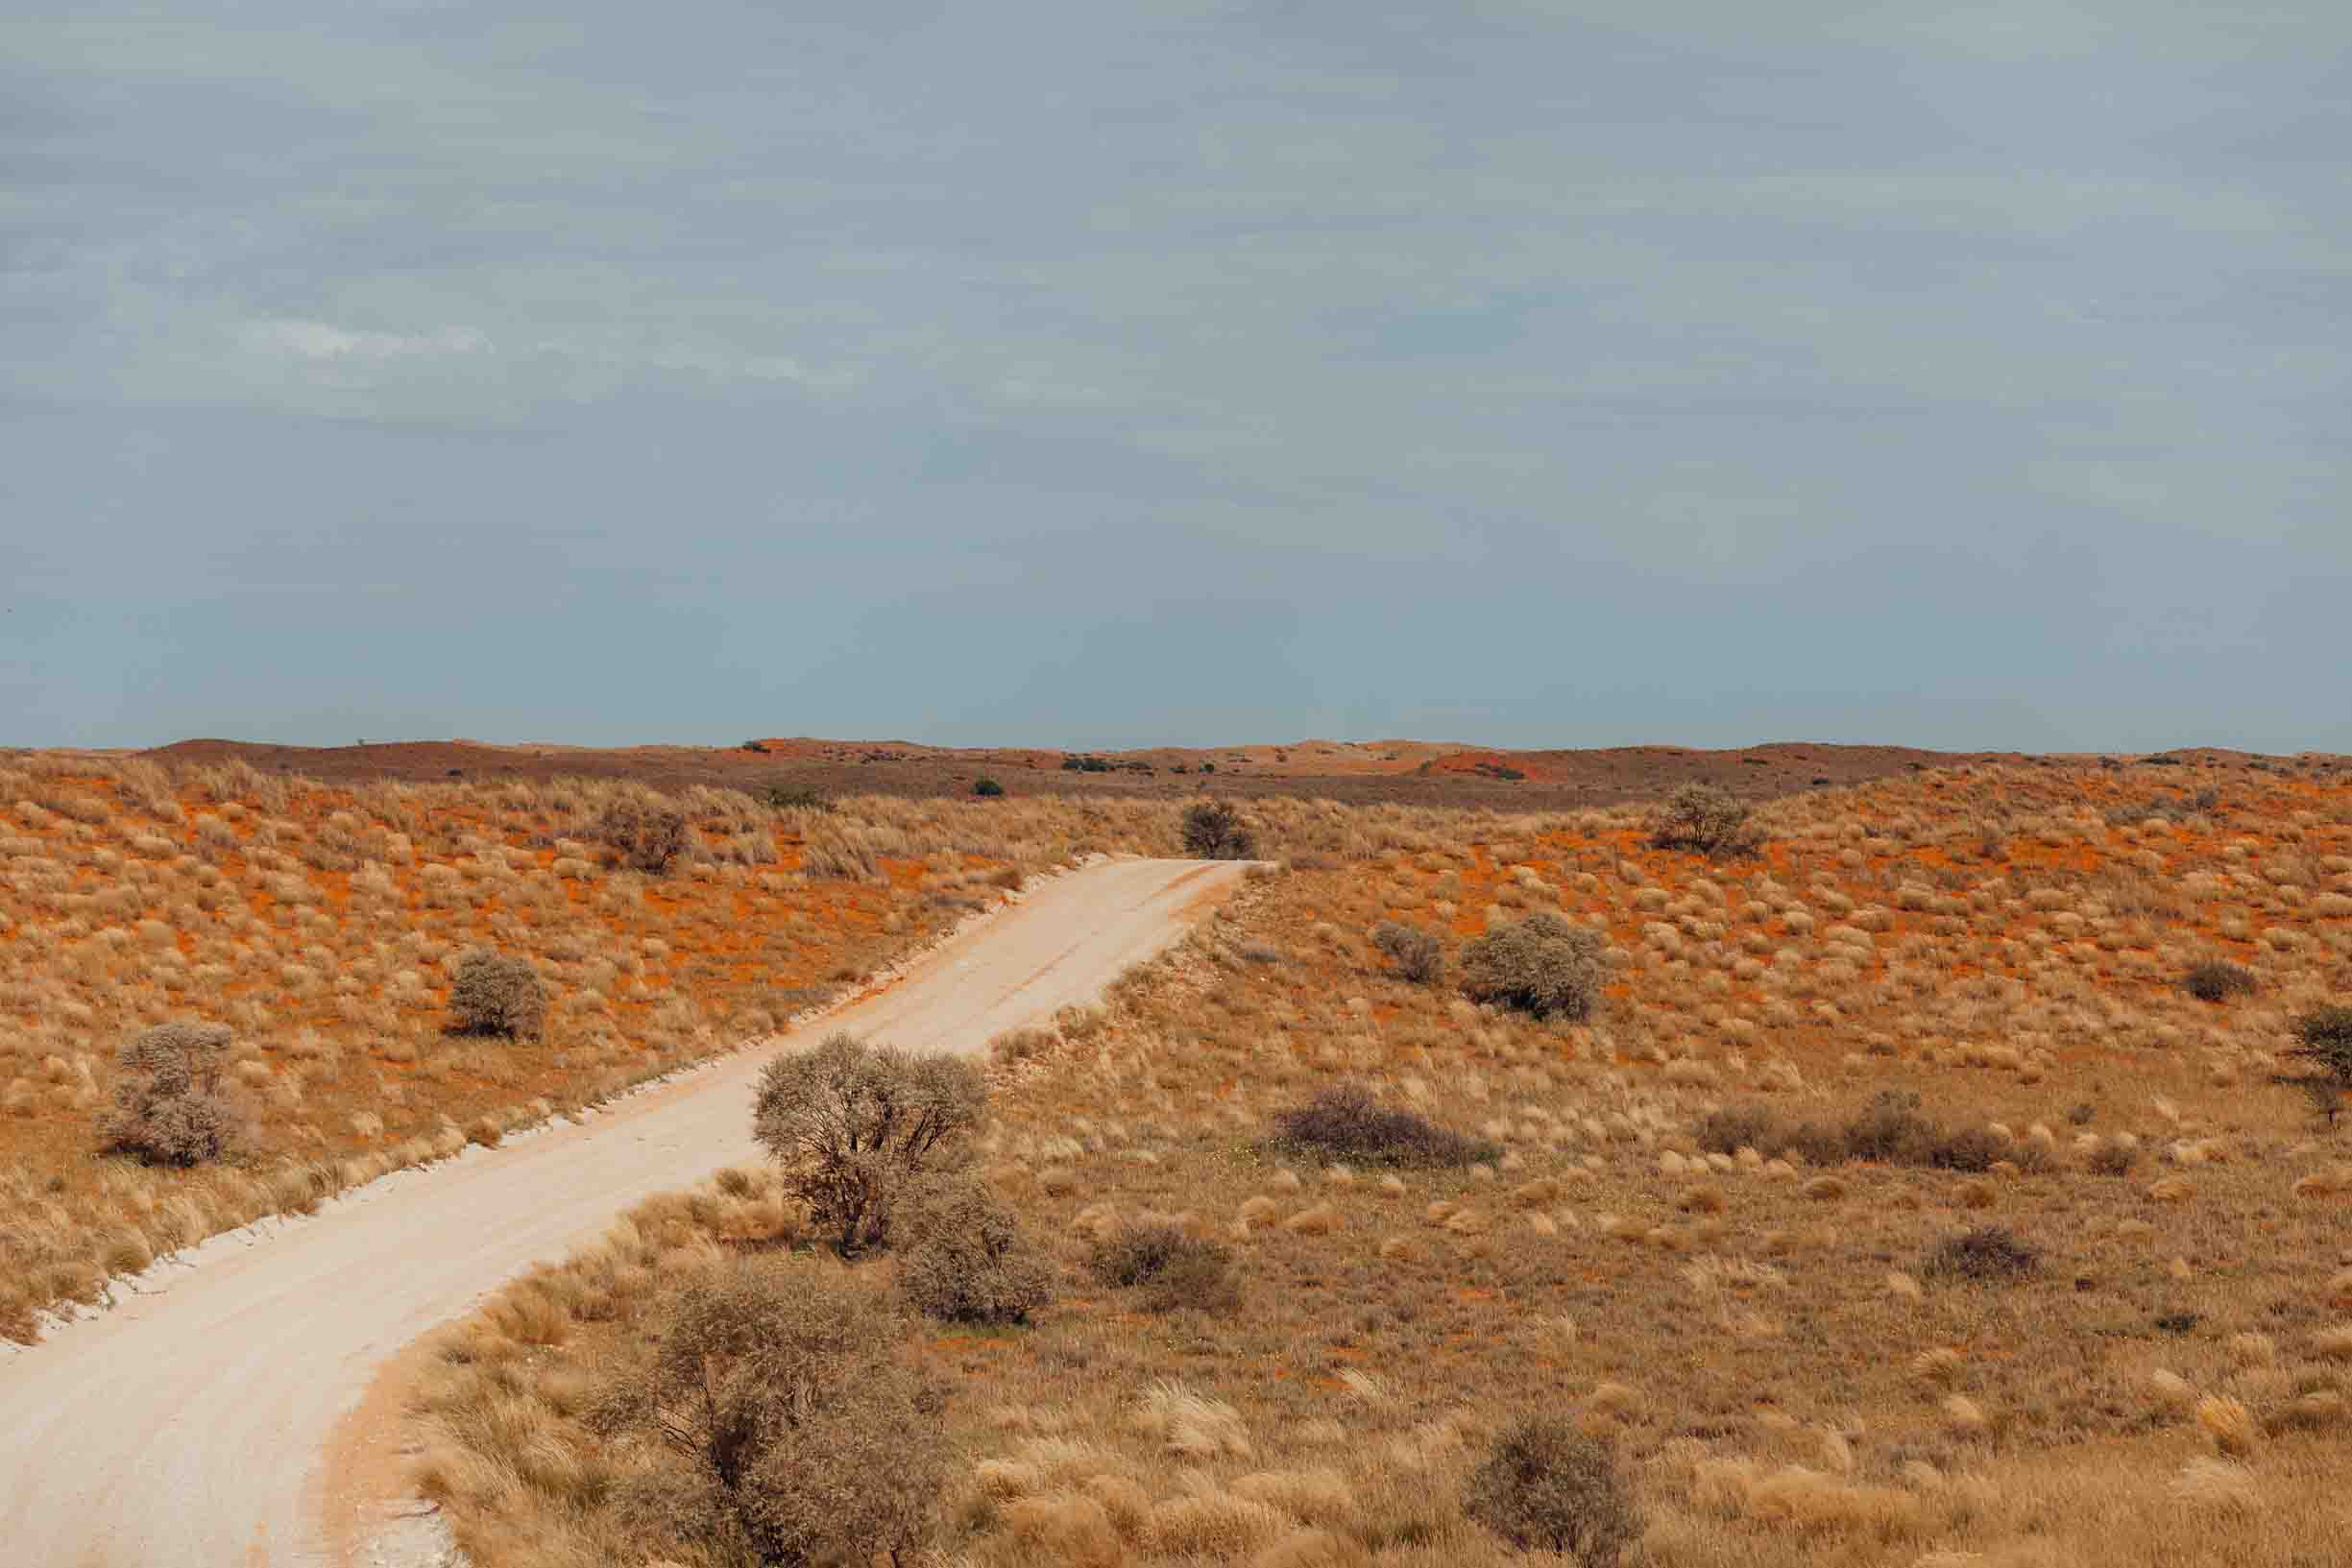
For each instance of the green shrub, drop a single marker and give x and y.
(963, 1256)
(1541, 965)
(1703, 818)
(1347, 1123)
(495, 994)
(988, 789)
(1213, 830)
(1418, 956)
(168, 1104)
(857, 1127)
(643, 836)
(775, 1420)
(2323, 1039)
(2215, 980)
(1546, 1487)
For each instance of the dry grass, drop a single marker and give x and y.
(324, 929)
(1760, 1340)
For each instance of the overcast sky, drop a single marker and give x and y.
(1103, 374)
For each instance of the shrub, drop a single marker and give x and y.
(1989, 1254)
(168, 1106)
(1890, 1131)
(795, 798)
(1213, 830)
(1541, 965)
(495, 994)
(856, 1127)
(2323, 1038)
(643, 836)
(1701, 817)
(988, 789)
(2113, 1159)
(1544, 1486)
(2215, 980)
(1176, 1270)
(1418, 956)
(775, 1421)
(1347, 1123)
(963, 1256)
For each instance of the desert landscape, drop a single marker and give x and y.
(1933, 1170)
(1324, 784)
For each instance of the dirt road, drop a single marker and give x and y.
(186, 1428)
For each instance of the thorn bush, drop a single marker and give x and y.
(1546, 1487)
(2323, 1038)
(964, 1258)
(495, 993)
(1213, 830)
(1701, 817)
(1176, 1269)
(1347, 1123)
(1541, 965)
(1988, 1255)
(643, 836)
(775, 1420)
(856, 1127)
(2216, 981)
(1418, 956)
(168, 1105)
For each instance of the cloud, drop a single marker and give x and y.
(1506, 323)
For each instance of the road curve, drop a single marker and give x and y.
(186, 1426)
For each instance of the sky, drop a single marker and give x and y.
(1531, 373)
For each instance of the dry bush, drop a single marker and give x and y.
(1175, 1268)
(1890, 1131)
(2217, 981)
(856, 1127)
(778, 1420)
(963, 1256)
(493, 993)
(1546, 1487)
(1541, 965)
(1347, 1123)
(1214, 830)
(1701, 817)
(168, 1104)
(1418, 956)
(644, 835)
(1987, 1255)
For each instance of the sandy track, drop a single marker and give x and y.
(187, 1426)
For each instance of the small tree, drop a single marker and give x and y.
(1544, 1486)
(2323, 1038)
(964, 1257)
(495, 994)
(1418, 956)
(988, 789)
(168, 1105)
(1701, 817)
(788, 1428)
(1213, 830)
(856, 1127)
(643, 836)
(1541, 965)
